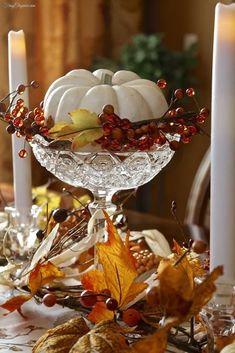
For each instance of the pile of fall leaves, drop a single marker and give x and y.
(177, 298)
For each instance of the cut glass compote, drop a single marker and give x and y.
(104, 172)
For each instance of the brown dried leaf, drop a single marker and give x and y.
(176, 287)
(107, 336)
(61, 338)
(155, 343)
(204, 291)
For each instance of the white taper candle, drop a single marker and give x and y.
(223, 143)
(21, 166)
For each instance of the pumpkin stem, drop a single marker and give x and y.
(106, 79)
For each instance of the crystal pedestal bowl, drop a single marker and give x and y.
(104, 172)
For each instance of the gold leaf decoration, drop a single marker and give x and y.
(85, 128)
(85, 137)
(105, 337)
(61, 338)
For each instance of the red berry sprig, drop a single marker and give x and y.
(49, 299)
(89, 298)
(131, 317)
(122, 135)
(20, 120)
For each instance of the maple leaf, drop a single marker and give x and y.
(118, 273)
(86, 128)
(15, 303)
(179, 296)
(61, 338)
(42, 274)
(107, 336)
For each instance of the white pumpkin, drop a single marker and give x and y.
(132, 97)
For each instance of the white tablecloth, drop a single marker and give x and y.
(18, 334)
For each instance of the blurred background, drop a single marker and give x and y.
(155, 38)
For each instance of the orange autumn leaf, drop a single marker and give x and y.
(118, 273)
(15, 303)
(42, 274)
(100, 313)
(94, 280)
(177, 248)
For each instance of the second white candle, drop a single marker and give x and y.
(223, 143)
(21, 167)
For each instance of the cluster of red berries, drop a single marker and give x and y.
(21, 121)
(89, 298)
(121, 134)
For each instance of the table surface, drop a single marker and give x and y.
(18, 334)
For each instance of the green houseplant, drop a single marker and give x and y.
(151, 59)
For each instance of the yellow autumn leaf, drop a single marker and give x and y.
(84, 119)
(85, 137)
(100, 313)
(178, 298)
(85, 129)
(62, 131)
(47, 200)
(94, 280)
